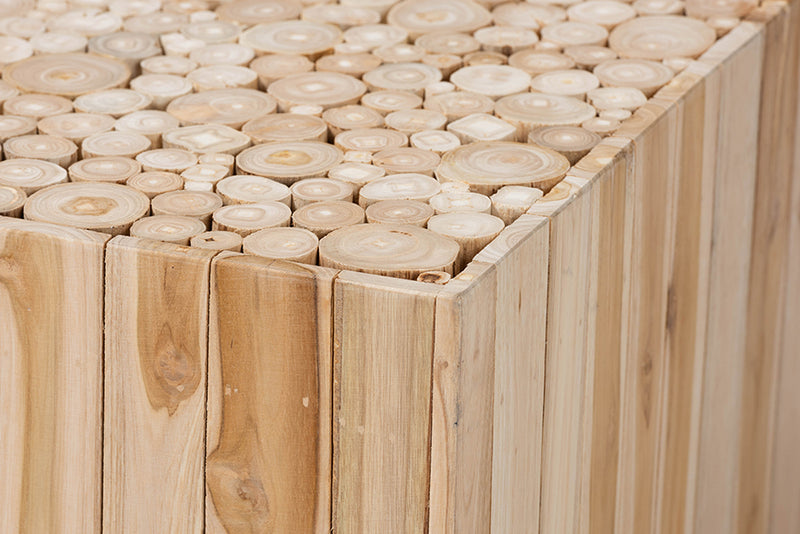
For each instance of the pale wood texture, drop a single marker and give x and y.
(155, 386)
(51, 370)
(382, 403)
(269, 397)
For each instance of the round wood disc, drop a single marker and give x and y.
(58, 43)
(37, 106)
(406, 186)
(31, 175)
(177, 65)
(371, 36)
(14, 126)
(76, 126)
(491, 80)
(166, 159)
(175, 229)
(488, 166)
(528, 15)
(310, 190)
(112, 169)
(657, 38)
(388, 101)
(115, 144)
(291, 37)
(406, 160)
(218, 240)
(251, 12)
(414, 77)
(290, 244)
(528, 111)
(104, 207)
(574, 82)
(199, 204)
(458, 104)
(229, 107)
(66, 74)
(114, 102)
(286, 127)
(627, 98)
(289, 162)
(404, 251)
(571, 141)
(206, 138)
(370, 140)
(244, 219)
(419, 17)
(11, 200)
(573, 33)
(454, 43)
(249, 189)
(151, 123)
(324, 217)
(325, 89)
(411, 212)
(643, 74)
(537, 62)
(606, 13)
(45, 147)
(153, 183)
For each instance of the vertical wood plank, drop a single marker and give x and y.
(383, 351)
(155, 386)
(269, 419)
(769, 255)
(51, 349)
(463, 402)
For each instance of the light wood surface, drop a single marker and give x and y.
(52, 373)
(155, 386)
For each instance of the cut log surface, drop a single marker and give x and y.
(31, 175)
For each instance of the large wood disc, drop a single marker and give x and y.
(658, 38)
(31, 175)
(66, 74)
(112, 169)
(109, 208)
(229, 107)
(528, 111)
(244, 219)
(289, 162)
(488, 166)
(643, 74)
(324, 217)
(325, 89)
(76, 126)
(292, 37)
(419, 17)
(411, 212)
(404, 251)
(491, 80)
(414, 77)
(571, 141)
(199, 204)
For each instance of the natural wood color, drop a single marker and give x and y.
(11, 201)
(31, 175)
(370, 140)
(326, 89)
(50, 148)
(404, 160)
(290, 244)
(67, 75)
(75, 126)
(389, 100)
(199, 204)
(154, 183)
(289, 162)
(381, 453)
(206, 139)
(324, 217)
(218, 240)
(37, 106)
(244, 219)
(399, 212)
(411, 121)
(155, 384)
(471, 230)
(511, 201)
(14, 126)
(411, 77)
(286, 127)
(175, 229)
(104, 169)
(311, 190)
(406, 186)
(51, 302)
(269, 401)
(123, 144)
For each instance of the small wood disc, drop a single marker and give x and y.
(114, 102)
(419, 17)
(487, 167)
(493, 81)
(203, 177)
(406, 160)
(511, 201)
(11, 200)
(483, 57)
(150, 123)
(657, 38)
(177, 65)
(615, 114)
(411, 121)
(435, 141)
(31, 175)
(356, 174)
(413, 77)
(103, 207)
(76, 126)
(44, 147)
(290, 244)
(175, 229)
(211, 31)
(407, 186)
(399, 53)
(456, 201)
(312, 190)
(351, 117)
(161, 88)
(434, 277)
(88, 22)
(58, 43)
(351, 64)
(388, 101)
(411, 212)
(528, 15)
(167, 159)
(647, 76)
(589, 56)
(601, 126)
(206, 138)
(605, 13)
(482, 127)
(572, 142)
(506, 39)
(244, 219)
(36, 106)
(218, 77)
(66, 74)
(14, 49)
(23, 27)
(272, 67)
(528, 111)
(292, 37)
(225, 160)
(114, 144)
(218, 240)
(128, 47)
(198, 204)
(289, 162)
(251, 12)
(14, 126)
(340, 15)
(471, 230)
(403, 251)
(249, 189)
(454, 43)
(370, 140)
(7, 91)
(229, 54)
(177, 44)
(659, 7)
(229, 107)
(535, 62)
(458, 104)
(628, 98)
(371, 36)
(153, 183)
(573, 82)
(324, 217)
(286, 127)
(325, 89)
(573, 33)
(156, 23)
(113, 169)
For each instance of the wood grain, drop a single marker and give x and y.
(383, 354)
(51, 349)
(155, 386)
(269, 412)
